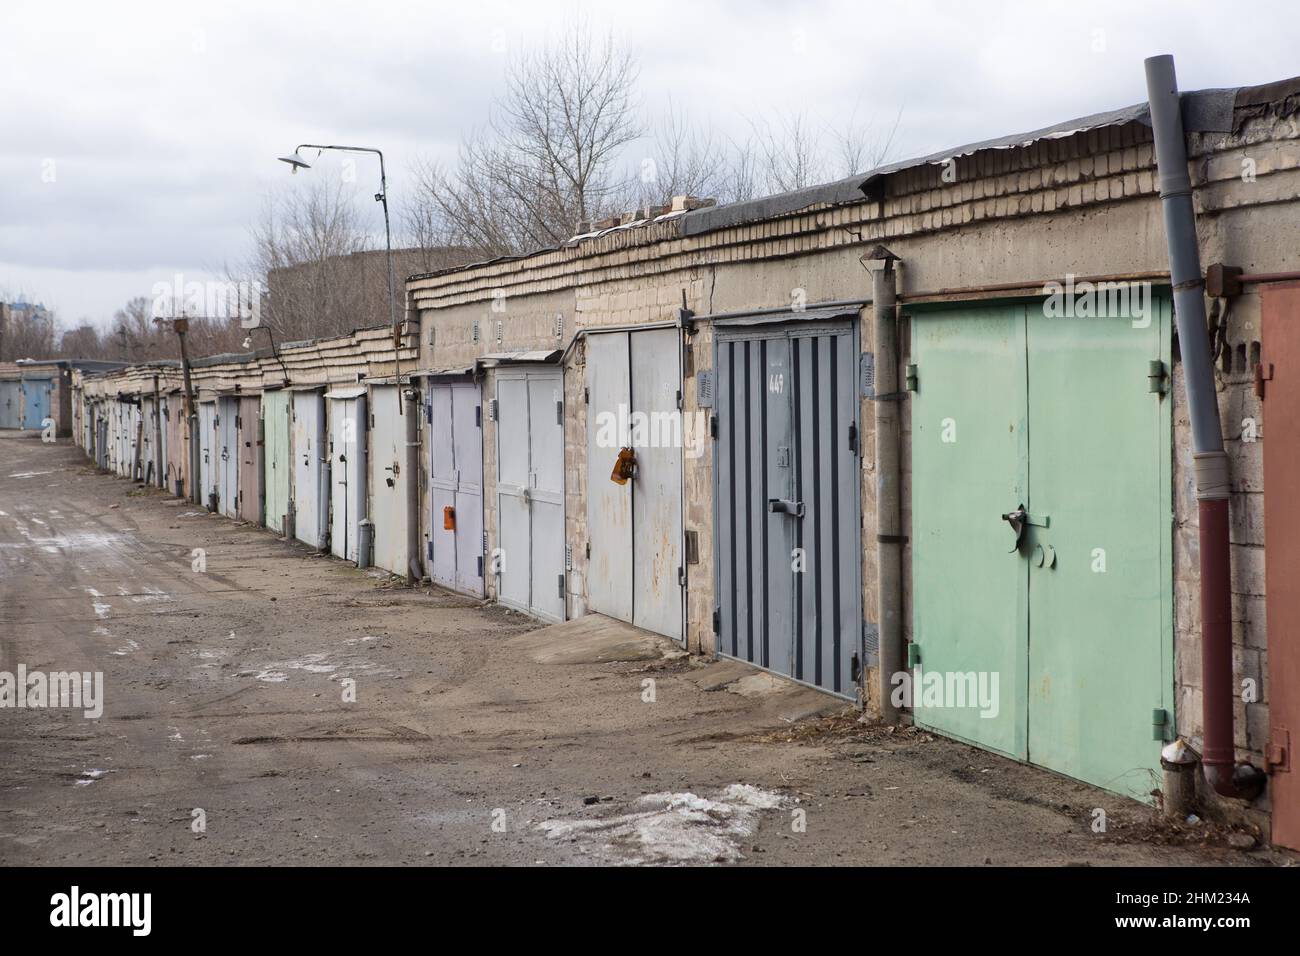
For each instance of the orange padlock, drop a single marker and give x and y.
(449, 518)
(624, 467)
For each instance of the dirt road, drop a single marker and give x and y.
(472, 736)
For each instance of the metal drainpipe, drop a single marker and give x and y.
(411, 396)
(1212, 488)
(160, 479)
(889, 540)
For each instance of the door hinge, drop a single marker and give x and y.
(478, 416)
(560, 581)
(1156, 377)
(586, 395)
(713, 426)
(559, 411)
(717, 620)
(428, 412)
(679, 400)
(480, 565)
(1263, 373)
(1161, 728)
(588, 549)
(913, 654)
(681, 576)
(855, 668)
(912, 378)
(428, 551)
(853, 437)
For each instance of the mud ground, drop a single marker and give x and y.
(476, 736)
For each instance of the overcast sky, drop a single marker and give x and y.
(138, 139)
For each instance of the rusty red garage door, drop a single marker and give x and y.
(1278, 383)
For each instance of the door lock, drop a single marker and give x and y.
(1019, 520)
(785, 506)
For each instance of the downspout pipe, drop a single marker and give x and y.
(1218, 757)
(410, 399)
(886, 398)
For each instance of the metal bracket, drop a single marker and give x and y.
(913, 379)
(1263, 373)
(1278, 755)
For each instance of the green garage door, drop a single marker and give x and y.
(1071, 621)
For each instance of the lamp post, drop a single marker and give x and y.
(296, 162)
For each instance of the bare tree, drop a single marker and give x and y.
(298, 247)
(25, 332)
(547, 160)
(683, 160)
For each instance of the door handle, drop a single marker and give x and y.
(785, 506)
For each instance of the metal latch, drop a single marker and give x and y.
(785, 506)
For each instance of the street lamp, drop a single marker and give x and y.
(296, 163)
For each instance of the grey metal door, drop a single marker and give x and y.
(228, 457)
(310, 469)
(787, 501)
(208, 452)
(530, 491)
(11, 404)
(388, 503)
(455, 418)
(635, 570)
(347, 471)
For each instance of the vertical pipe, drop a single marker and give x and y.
(889, 540)
(160, 478)
(1212, 488)
(411, 396)
(181, 326)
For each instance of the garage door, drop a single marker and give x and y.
(347, 470)
(530, 491)
(388, 478)
(634, 393)
(250, 459)
(228, 457)
(455, 415)
(787, 501)
(311, 486)
(276, 457)
(1281, 404)
(36, 402)
(209, 455)
(1053, 644)
(11, 404)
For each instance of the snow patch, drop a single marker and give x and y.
(680, 828)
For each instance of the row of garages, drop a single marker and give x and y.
(708, 426)
(322, 465)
